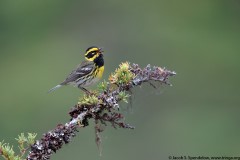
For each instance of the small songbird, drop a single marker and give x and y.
(88, 72)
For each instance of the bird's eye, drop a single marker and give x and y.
(91, 54)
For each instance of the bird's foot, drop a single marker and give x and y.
(91, 93)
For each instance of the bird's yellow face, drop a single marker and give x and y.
(92, 53)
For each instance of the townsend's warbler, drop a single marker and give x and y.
(88, 72)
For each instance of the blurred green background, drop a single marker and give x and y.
(42, 41)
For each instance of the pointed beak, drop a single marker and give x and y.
(101, 50)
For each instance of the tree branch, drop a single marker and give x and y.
(102, 107)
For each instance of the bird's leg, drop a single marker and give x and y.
(84, 89)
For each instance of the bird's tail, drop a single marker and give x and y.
(54, 88)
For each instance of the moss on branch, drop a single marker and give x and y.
(102, 106)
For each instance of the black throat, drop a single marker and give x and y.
(99, 61)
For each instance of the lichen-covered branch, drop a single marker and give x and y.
(102, 107)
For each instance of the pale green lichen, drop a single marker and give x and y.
(122, 75)
(7, 152)
(102, 86)
(88, 99)
(28, 140)
(31, 138)
(24, 142)
(123, 96)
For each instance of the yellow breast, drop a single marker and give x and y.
(100, 72)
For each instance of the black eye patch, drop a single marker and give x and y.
(91, 54)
